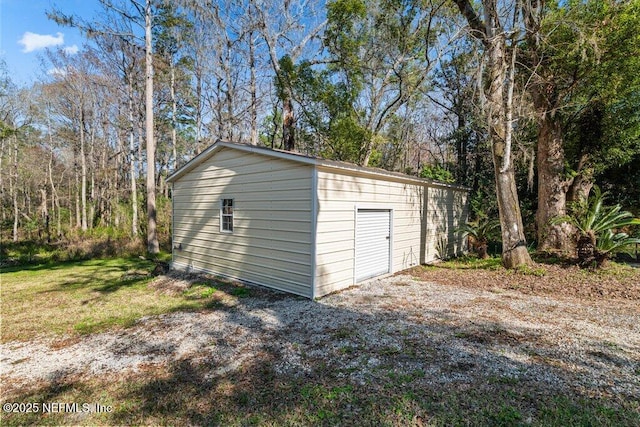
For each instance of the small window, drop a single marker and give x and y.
(226, 215)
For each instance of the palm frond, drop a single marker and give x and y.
(600, 224)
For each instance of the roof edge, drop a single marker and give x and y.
(301, 158)
(216, 146)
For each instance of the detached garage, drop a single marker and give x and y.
(305, 225)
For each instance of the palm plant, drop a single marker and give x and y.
(599, 226)
(481, 231)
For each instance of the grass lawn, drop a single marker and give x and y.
(74, 301)
(83, 297)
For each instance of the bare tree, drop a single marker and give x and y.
(141, 15)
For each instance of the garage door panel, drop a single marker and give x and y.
(373, 235)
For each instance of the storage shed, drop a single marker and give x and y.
(306, 225)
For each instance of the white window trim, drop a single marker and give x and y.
(233, 205)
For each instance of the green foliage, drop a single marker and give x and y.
(610, 242)
(482, 231)
(437, 173)
(592, 54)
(344, 37)
(375, 66)
(599, 226)
(482, 202)
(593, 217)
(328, 111)
(531, 271)
(240, 292)
(199, 291)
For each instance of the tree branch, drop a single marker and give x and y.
(478, 28)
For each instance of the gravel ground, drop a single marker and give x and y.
(441, 333)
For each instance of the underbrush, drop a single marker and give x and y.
(617, 266)
(91, 245)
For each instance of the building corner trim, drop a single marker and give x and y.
(314, 230)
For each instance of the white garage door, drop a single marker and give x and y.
(373, 237)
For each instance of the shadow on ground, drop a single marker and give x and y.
(280, 359)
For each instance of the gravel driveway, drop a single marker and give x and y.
(442, 333)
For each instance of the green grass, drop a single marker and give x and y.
(199, 291)
(470, 262)
(84, 297)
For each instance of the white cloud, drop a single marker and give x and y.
(32, 41)
(71, 50)
(61, 72)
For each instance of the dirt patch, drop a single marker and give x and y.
(175, 283)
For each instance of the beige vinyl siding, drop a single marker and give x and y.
(338, 196)
(271, 239)
(446, 210)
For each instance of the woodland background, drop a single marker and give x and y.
(529, 102)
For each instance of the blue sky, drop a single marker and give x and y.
(25, 33)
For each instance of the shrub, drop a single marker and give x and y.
(481, 232)
(600, 229)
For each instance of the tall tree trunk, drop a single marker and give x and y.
(55, 200)
(132, 164)
(174, 112)
(253, 90)
(552, 186)
(106, 192)
(141, 145)
(229, 96)
(288, 124)
(69, 197)
(77, 198)
(44, 211)
(461, 139)
(4, 214)
(493, 37)
(14, 187)
(199, 84)
(152, 236)
(368, 151)
(514, 245)
(550, 157)
(219, 109)
(83, 175)
(92, 176)
(115, 203)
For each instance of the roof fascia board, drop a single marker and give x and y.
(209, 151)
